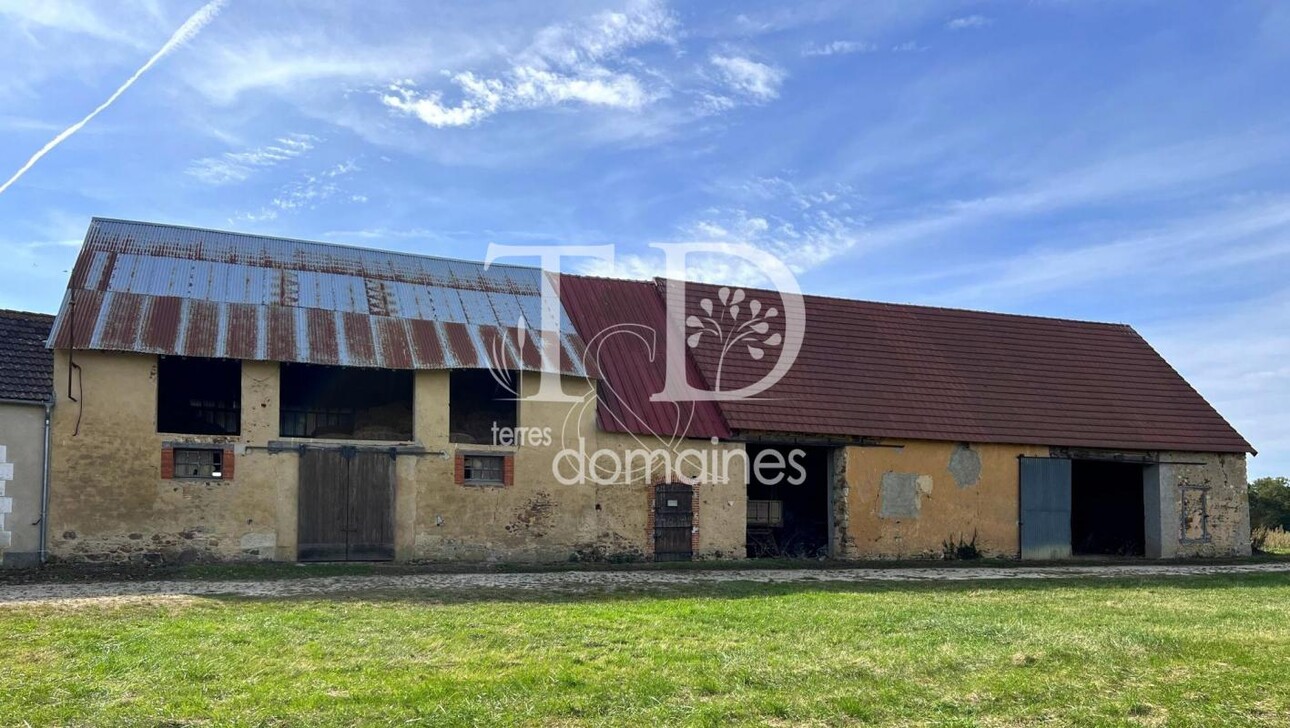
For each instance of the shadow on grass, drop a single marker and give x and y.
(71, 573)
(1079, 587)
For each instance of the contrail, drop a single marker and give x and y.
(190, 28)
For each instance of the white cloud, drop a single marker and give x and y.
(307, 192)
(1257, 233)
(526, 88)
(248, 65)
(969, 22)
(564, 63)
(603, 35)
(804, 229)
(714, 103)
(311, 189)
(1165, 172)
(838, 48)
(238, 166)
(908, 46)
(83, 18)
(757, 80)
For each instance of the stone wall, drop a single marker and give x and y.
(1204, 506)
(907, 498)
(538, 518)
(110, 503)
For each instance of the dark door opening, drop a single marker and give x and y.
(346, 508)
(1108, 516)
(788, 501)
(673, 522)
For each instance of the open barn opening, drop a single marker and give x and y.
(346, 403)
(1107, 508)
(483, 404)
(198, 396)
(788, 501)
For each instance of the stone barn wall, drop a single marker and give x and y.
(109, 502)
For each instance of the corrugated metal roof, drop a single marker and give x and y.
(900, 371)
(164, 289)
(624, 326)
(26, 366)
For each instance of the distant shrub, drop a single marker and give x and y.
(1270, 515)
(1270, 504)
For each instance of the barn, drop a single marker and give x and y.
(223, 396)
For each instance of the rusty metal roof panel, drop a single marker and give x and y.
(164, 289)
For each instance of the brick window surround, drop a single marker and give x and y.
(694, 519)
(508, 468)
(168, 459)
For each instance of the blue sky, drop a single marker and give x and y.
(1118, 161)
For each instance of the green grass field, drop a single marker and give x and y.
(1194, 651)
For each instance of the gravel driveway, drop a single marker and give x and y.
(577, 581)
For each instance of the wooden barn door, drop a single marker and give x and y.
(324, 506)
(371, 507)
(346, 506)
(673, 522)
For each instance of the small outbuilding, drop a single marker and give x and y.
(26, 388)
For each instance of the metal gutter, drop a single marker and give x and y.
(32, 402)
(44, 488)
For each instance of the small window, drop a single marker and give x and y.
(484, 469)
(199, 463)
(199, 396)
(481, 403)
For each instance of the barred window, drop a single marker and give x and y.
(199, 463)
(483, 469)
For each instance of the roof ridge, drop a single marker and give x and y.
(15, 313)
(658, 280)
(662, 281)
(304, 241)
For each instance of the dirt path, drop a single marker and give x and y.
(578, 581)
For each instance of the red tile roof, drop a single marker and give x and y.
(622, 323)
(901, 371)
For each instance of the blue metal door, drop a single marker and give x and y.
(1045, 508)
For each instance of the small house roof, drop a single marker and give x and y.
(26, 366)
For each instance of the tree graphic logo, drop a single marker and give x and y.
(752, 333)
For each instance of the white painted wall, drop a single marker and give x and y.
(22, 441)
